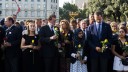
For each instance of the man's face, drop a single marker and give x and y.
(7, 22)
(38, 22)
(98, 18)
(73, 26)
(91, 17)
(83, 25)
(53, 21)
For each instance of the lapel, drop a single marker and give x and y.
(48, 30)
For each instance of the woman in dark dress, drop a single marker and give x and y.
(29, 46)
(66, 35)
(118, 51)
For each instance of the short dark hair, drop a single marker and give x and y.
(98, 13)
(73, 21)
(51, 16)
(125, 30)
(10, 19)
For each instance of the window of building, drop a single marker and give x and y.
(51, 6)
(19, 0)
(26, 0)
(38, 6)
(32, 13)
(44, 0)
(51, 0)
(0, 0)
(38, 13)
(20, 5)
(0, 12)
(38, 0)
(0, 5)
(6, 5)
(6, 13)
(26, 13)
(19, 14)
(32, 6)
(44, 5)
(56, 6)
(13, 5)
(32, 0)
(25, 5)
(56, 1)
(6, 0)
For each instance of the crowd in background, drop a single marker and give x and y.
(81, 45)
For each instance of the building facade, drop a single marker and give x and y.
(79, 3)
(29, 9)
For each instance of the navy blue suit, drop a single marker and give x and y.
(99, 60)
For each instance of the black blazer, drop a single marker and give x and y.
(13, 36)
(94, 41)
(48, 48)
(2, 35)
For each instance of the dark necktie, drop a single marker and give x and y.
(52, 29)
(98, 31)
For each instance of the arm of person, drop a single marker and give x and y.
(23, 46)
(18, 38)
(115, 53)
(44, 39)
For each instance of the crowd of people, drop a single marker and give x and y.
(81, 45)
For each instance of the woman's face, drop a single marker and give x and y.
(121, 33)
(63, 25)
(80, 34)
(31, 26)
(114, 27)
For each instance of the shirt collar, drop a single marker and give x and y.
(98, 23)
(50, 25)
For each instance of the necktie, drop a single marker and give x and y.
(52, 29)
(98, 30)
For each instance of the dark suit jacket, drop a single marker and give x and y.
(2, 35)
(48, 48)
(94, 41)
(13, 36)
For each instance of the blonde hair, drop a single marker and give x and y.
(66, 23)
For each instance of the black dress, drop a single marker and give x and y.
(30, 56)
(65, 56)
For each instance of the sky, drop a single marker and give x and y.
(61, 2)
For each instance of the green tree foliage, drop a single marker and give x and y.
(67, 7)
(112, 9)
(64, 12)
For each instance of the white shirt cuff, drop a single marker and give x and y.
(73, 55)
(85, 57)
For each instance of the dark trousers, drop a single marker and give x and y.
(11, 64)
(99, 64)
(49, 64)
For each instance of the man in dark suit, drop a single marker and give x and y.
(12, 46)
(48, 50)
(2, 35)
(99, 31)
